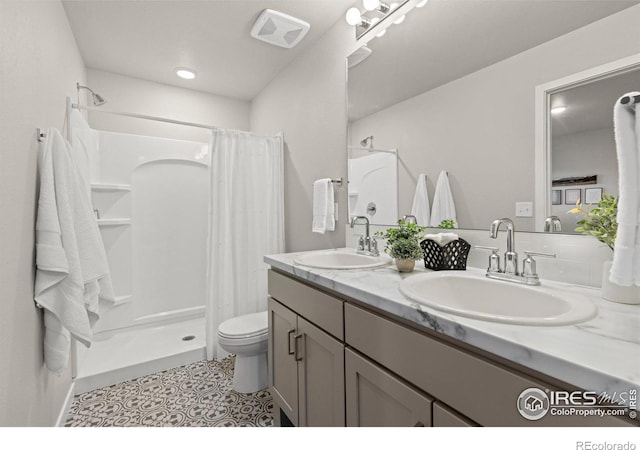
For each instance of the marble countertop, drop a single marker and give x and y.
(602, 354)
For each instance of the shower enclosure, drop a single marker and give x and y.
(151, 200)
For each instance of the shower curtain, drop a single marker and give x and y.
(246, 222)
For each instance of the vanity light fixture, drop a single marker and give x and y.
(558, 110)
(373, 5)
(187, 74)
(375, 11)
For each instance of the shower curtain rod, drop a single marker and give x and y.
(142, 116)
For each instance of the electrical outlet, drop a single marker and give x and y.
(524, 209)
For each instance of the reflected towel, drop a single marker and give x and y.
(420, 208)
(71, 264)
(443, 206)
(625, 270)
(323, 215)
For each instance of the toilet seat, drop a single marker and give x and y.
(245, 327)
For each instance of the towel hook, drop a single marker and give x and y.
(40, 135)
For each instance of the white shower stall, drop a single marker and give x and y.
(151, 202)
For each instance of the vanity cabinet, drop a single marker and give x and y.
(306, 363)
(336, 361)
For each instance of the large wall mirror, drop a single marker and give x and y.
(453, 88)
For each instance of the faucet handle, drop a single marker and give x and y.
(494, 259)
(529, 266)
(361, 243)
(374, 247)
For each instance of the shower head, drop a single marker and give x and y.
(98, 100)
(368, 140)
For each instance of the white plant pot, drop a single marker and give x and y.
(616, 293)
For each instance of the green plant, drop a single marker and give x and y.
(599, 221)
(403, 242)
(447, 223)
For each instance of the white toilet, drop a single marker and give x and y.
(246, 336)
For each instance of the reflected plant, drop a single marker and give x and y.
(447, 223)
(599, 221)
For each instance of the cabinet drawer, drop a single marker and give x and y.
(314, 305)
(482, 390)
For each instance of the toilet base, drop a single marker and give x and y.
(250, 373)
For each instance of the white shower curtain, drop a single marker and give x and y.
(246, 222)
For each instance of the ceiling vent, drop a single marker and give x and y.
(279, 29)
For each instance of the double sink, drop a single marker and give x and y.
(470, 294)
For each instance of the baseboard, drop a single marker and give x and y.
(66, 406)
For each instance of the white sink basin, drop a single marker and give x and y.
(335, 259)
(473, 295)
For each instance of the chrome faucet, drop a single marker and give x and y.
(510, 272)
(367, 245)
(552, 224)
(510, 256)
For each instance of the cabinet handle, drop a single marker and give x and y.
(295, 346)
(289, 333)
(419, 424)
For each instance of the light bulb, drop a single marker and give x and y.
(353, 16)
(382, 33)
(400, 20)
(371, 5)
(421, 4)
(558, 110)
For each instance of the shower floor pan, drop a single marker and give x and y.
(135, 353)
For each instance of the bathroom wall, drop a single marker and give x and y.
(134, 95)
(40, 67)
(481, 127)
(307, 102)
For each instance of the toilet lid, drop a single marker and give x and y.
(245, 326)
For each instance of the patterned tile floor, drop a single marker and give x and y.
(195, 395)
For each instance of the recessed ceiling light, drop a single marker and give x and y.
(558, 110)
(185, 73)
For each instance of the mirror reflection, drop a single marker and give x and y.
(583, 151)
(459, 99)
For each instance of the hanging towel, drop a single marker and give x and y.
(625, 270)
(323, 215)
(71, 264)
(420, 208)
(443, 206)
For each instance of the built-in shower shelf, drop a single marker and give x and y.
(113, 222)
(110, 187)
(120, 299)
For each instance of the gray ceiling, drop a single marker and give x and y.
(448, 39)
(148, 39)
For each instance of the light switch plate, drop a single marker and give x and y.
(524, 209)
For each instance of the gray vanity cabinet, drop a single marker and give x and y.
(377, 398)
(306, 363)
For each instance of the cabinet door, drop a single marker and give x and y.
(376, 398)
(320, 377)
(283, 370)
(444, 416)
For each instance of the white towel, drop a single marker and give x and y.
(443, 206)
(323, 215)
(625, 270)
(442, 238)
(71, 264)
(420, 208)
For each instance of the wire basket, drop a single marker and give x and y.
(452, 256)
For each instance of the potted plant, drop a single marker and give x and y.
(403, 244)
(600, 222)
